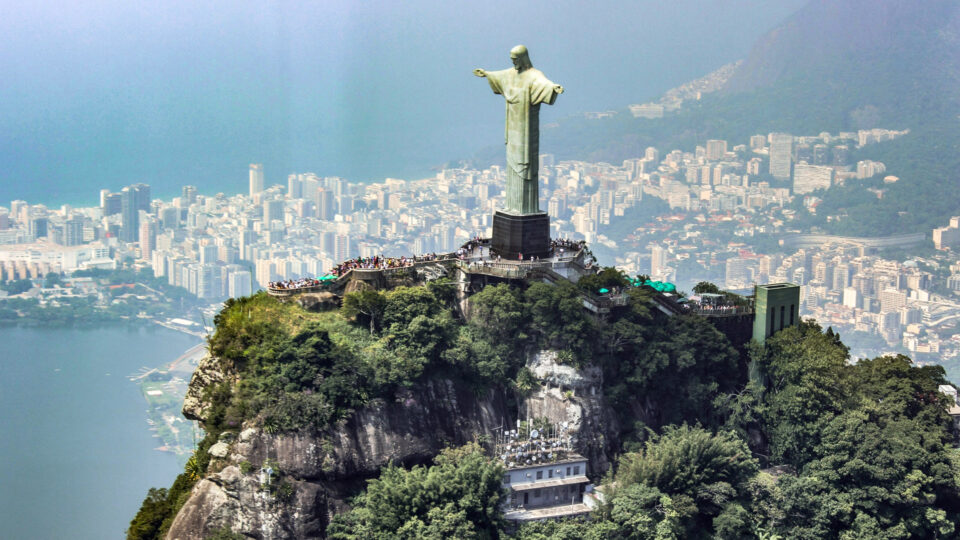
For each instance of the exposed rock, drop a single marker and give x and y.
(575, 397)
(242, 504)
(220, 450)
(318, 301)
(356, 285)
(323, 469)
(315, 473)
(207, 374)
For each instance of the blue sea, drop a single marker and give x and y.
(110, 93)
(76, 453)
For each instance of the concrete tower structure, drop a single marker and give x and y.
(256, 178)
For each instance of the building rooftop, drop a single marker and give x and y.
(538, 484)
(566, 510)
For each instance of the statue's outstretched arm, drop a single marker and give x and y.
(479, 72)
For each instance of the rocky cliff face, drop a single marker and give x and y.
(208, 373)
(574, 397)
(314, 473)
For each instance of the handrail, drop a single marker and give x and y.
(509, 269)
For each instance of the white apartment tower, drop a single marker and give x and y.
(808, 178)
(781, 155)
(256, 178)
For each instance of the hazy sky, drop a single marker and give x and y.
(103, 94)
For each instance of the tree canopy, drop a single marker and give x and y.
(459, 496)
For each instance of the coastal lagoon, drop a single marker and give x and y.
(77, 453)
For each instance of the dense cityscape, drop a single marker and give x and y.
(678, 216)
(275, 271)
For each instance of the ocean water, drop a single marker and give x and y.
(76, 455)
(105, 94)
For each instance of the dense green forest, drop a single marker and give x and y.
(808, 447)
(861, 451)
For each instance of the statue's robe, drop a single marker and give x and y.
(523, 92)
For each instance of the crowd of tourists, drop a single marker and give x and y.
(560, 246)
(473, 247)
(379, 262)
(719, 309)
(293, 284)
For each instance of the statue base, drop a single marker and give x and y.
(515, 235)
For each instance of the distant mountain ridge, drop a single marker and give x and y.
(901, 45)
(832, 66)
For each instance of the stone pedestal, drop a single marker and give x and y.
(528, 234)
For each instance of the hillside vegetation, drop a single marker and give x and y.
(863, 448)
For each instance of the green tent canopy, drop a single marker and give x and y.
(659, 286)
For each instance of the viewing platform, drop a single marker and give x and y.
(721, 305)
(473, 259)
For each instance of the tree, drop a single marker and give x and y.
(459, 496)
(146, 524)
(493, 343)
(51, 279)
(706, 287)
(499, 310)
(700, 476)
(668, 370)
(551, 529)
(17, 287)
(806, 385)
(608, 278)
(368, 302)
(403, 304)
(684, 459)
(557, 317)
(877, 478)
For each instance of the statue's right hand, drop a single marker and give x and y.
(479, 72)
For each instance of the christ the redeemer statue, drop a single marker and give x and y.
(524, 88)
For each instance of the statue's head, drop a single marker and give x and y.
(521, 60)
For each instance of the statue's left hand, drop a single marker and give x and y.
(558, 89)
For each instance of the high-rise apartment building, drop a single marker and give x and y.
(948, 237)
(256, 178)
(342, 248)
(716, 149)
(892, 299)
(294, 186)
(142, 196)
(190, 194)
(781, 155)
(170, 217)
(148, 238)
(130, 215)
(73, 231)
(808, 178)
(272, 210)
(245, 240)
(110, 203)
(658, 259)
(737, 272)
(239, 284)
(324, 202)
